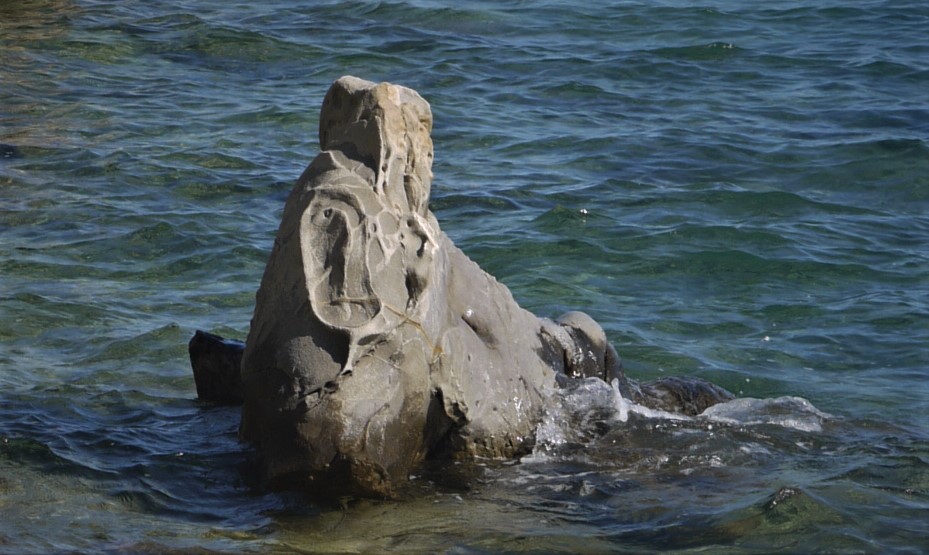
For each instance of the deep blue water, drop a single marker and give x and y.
(736, 190)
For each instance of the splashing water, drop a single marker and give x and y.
(789, 412)
(590, 408)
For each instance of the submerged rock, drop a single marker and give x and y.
(375, 342)
(682, 395)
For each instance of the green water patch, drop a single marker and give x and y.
(154, 346)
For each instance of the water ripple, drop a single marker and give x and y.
(736, 192)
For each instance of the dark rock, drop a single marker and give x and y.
(216, 364)
(680, 394)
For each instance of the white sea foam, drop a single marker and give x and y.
(575, 413)
(624, 406)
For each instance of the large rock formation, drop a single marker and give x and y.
(375, 342)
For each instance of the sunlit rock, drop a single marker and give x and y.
(375, 342)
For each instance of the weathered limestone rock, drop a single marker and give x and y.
(375, 342)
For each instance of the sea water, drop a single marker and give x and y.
(735, 190)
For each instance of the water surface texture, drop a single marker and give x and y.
(736, 190)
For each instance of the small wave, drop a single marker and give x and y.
(787, 412)
(587, 409)
(699, 52)
(590, 408)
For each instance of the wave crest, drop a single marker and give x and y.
(590, 408)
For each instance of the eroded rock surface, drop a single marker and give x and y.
(375, 342)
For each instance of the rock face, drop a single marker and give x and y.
(375, 342)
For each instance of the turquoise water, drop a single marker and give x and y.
(736, 190)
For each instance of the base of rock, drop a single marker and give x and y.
(216, 364)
